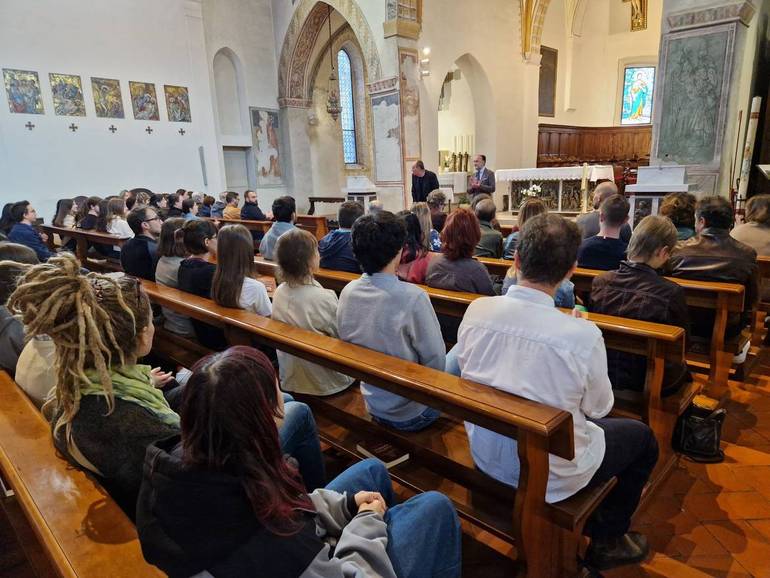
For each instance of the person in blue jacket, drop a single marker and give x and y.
(24, 216)
(336, 248)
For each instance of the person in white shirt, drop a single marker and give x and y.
(233, 284)
(542, 354)
(116, 220)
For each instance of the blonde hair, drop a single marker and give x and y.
(93, 320)
(294, 253)
(422, 212)
(651, 234)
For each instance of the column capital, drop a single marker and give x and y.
(742, 12)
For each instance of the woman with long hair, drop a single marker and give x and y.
(233, 284)
(171, 253)
(223, 499)
(107, 408)
(66, 210)
(415, 258)
(89, 213)
(431, 239)
(6, 223)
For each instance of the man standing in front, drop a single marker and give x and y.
(424, 182)
(544, 355)
(483, 180)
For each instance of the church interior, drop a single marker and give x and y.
(185, 132)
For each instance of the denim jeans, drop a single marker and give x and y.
(299, 439)
(427, 417)
(423, 532)
(630, 455)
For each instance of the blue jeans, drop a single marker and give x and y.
(427, 417)
(299, 439)
(423, 532)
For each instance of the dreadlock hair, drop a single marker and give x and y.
(93, 320)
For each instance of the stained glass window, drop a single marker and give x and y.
(638, 84)
(348, 116)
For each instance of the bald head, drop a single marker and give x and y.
(604, 191)
(485, 210)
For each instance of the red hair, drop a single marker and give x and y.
(228, 425)
(460, 235)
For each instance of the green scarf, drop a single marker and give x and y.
(133, 383)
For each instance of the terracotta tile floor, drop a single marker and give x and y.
(714, 520)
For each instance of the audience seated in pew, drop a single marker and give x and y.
(227, 472)
(436, 203)
(233, 284)
(589, 224)
(606, 250)
(205, 208)
(565, 293)
(139, 255)
(159, 202)
(231, 210)
(382, 313)
(543, 355)
(680, 209)
(190, 210)
(336, 248)
(713, 255)
(250, 210)
(491, 242)
(431, 239)
(415, 258)
(89, 214)
(66, 217)
(217, 209)
(5, 220)
(11, 328)
(23, 215)
(302, 302)
(171, 253)
(755, 232)
(175, 201)
(116, 220)
(637, 291)
(284, 213)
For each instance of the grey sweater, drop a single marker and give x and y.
(382, 313)
(461, 275)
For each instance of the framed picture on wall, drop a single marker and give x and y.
(144, 100)
(547, 90)
(23, 90)
(638, 90)
(265, 134)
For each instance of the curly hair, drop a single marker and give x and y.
(679, 208)
(377, 240)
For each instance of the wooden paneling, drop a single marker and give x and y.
(560, 145)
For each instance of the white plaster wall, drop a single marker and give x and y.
(141, 40)
(459, 119)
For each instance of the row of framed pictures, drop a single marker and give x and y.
(25, 97)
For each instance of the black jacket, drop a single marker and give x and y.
(138, 256)
(252, 212)
(636, 291)
(423, 186)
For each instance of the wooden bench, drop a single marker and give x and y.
(81, 531)
(763, 305)
(83, 240)
(546, 535)
(317, 225)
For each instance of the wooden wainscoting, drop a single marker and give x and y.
(561, 145)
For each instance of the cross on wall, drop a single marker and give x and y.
(73, 127)
(148, 130)
(181, 131)
(112, 128)
(29, 125)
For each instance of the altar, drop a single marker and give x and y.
(653, 183)
(560, 186)
(453, 183)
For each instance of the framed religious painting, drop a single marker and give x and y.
(144, 101)
(638, 91)
(67, 92)
(265, 134)
(108, 100)
(547, 88)
(23, 90)
(177, 103)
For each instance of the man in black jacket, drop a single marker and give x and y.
(138, 256)
(251, 212)
(423, 182)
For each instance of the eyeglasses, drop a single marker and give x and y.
(151, 220)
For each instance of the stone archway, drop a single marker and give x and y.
(306, 23)
(532, 20)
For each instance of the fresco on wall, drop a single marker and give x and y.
(23, 90)
(694, 78)
(265, 133)
(67, 92)
(638, 84)
(177, 103)
(387, 137)
(410, 103)
(108, 99)
(144, 100)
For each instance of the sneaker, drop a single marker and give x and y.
(631, 548)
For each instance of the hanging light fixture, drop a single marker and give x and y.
(333, 102)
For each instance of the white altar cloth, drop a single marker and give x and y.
(595, 173)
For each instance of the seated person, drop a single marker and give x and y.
(11, 328)
(637, 291)
(24, 216)
(606, 250)
(491, 242)
(529, 207)
(205, 207)
(430, 236)
(190, 209)
(335, 248)
(680, 209)
(231, 210)
(171, 253)
(713, 255)
(140, 254)
(250, 210)
(436, 203)
(755, 232)
(89, 214)
(415, 258)
(382, 313)
(301, 301)
(284, 213)
(227, 471)
(5, 220)
(233, 284)
(175, 201)
(65, 217)
(544, 355)
(217, 209)
(588, 223)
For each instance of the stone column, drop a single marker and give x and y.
(294, 119)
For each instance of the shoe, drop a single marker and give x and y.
(631, 548)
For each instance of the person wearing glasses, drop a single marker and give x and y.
(24, 216)
(140, 254)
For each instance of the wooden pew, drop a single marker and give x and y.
(763, 305)
(546, 535)
(81, 530)
(317, 225)
(83, 239)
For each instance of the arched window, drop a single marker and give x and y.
(348, 116)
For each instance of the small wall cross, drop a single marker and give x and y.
(73, 127)
(29, 125)
(148, 130)
(181, 131)
(112, 128)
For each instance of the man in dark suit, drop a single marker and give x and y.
(423, 182)
(482, 180)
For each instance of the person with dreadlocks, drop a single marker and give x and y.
(107, 408)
